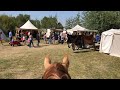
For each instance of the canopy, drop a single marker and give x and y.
(78, 28)
(28, 25)
(110, 42)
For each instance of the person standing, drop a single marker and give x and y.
(50, 38)
(10, 36)
(62, 38)
(38, 38)
(45, 38)
(31, 40)
(97, 38)
(53, 38)
(24, 39)
(1, 38)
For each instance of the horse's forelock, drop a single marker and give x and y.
(56, 70)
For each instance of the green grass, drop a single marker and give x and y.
(21, 62)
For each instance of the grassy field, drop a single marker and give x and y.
(21, 62)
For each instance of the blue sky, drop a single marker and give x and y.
(62, 15)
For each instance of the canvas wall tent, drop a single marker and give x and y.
(110, 42)
(3, 35)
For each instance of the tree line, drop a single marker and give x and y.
(96, 20)
(8, 23)
(93, 20)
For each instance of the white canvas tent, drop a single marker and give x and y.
(78, 28)
(70, 31)
(110, 42)
(3, 35)
(28, 25)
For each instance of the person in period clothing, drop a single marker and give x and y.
(38, 38)
(10, 36)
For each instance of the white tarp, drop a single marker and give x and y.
(110, 42)
(3, 35)
(28, 25)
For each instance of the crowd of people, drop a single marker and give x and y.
(53, 37)
(27, 37)
(24, 37)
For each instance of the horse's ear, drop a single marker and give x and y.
(65, 62)
(47, 62)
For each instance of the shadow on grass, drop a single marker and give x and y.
(56, 44)
(13, 46)
(16, 45)
(40, 46)
(6, 44)
(83, 51)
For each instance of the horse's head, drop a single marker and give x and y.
(56, 70)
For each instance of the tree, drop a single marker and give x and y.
(36, 23)
(73, 21)
(50, 22)
(44, 22)
(101, 20)
(7, 23)
(59, 25)
(77, 20)
(69, 23)
(22, 19)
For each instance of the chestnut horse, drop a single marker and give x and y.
(56, 70)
